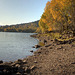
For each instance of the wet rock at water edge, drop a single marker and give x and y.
(24, 61)
(37, 46)
(17, 65)
(31, 51)
(19, 61)
(33, 46)
(48, 45)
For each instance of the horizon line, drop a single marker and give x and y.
(17, 23)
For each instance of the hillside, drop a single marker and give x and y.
(23, 27)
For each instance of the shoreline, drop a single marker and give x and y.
(50, 59)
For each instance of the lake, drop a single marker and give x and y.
(15, 46)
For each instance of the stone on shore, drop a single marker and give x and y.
(31, 51)
(32, 67)
(17, 65)
(37, 46)
(24, 61)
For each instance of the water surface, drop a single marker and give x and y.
(14, 46)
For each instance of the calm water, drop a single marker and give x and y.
(14, 46)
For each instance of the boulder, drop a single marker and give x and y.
(37, 46)
(51, 48)
(39, 52)
(17, 65)
(19, 61)
(1, 61)
(32, 67)
(13, 64)
(45, 41)
(31, 51)
(33, 46)
(24, 61)
(65, 41)
(73, 63)
(48, 45)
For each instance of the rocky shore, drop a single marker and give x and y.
(54, 58)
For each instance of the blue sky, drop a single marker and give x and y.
(20, 11)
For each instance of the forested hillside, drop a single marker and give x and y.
(24, 27)
(59, 15)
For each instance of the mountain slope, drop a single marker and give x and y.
(24, 27)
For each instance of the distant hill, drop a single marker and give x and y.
(23, 27)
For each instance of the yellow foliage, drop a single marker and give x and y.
(58, 14)
(50, 29)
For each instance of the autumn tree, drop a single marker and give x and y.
(58, 15)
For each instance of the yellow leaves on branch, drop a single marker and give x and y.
(44, 20)
(58, 13)
(50, 29)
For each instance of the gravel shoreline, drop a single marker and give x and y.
(50, 59)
